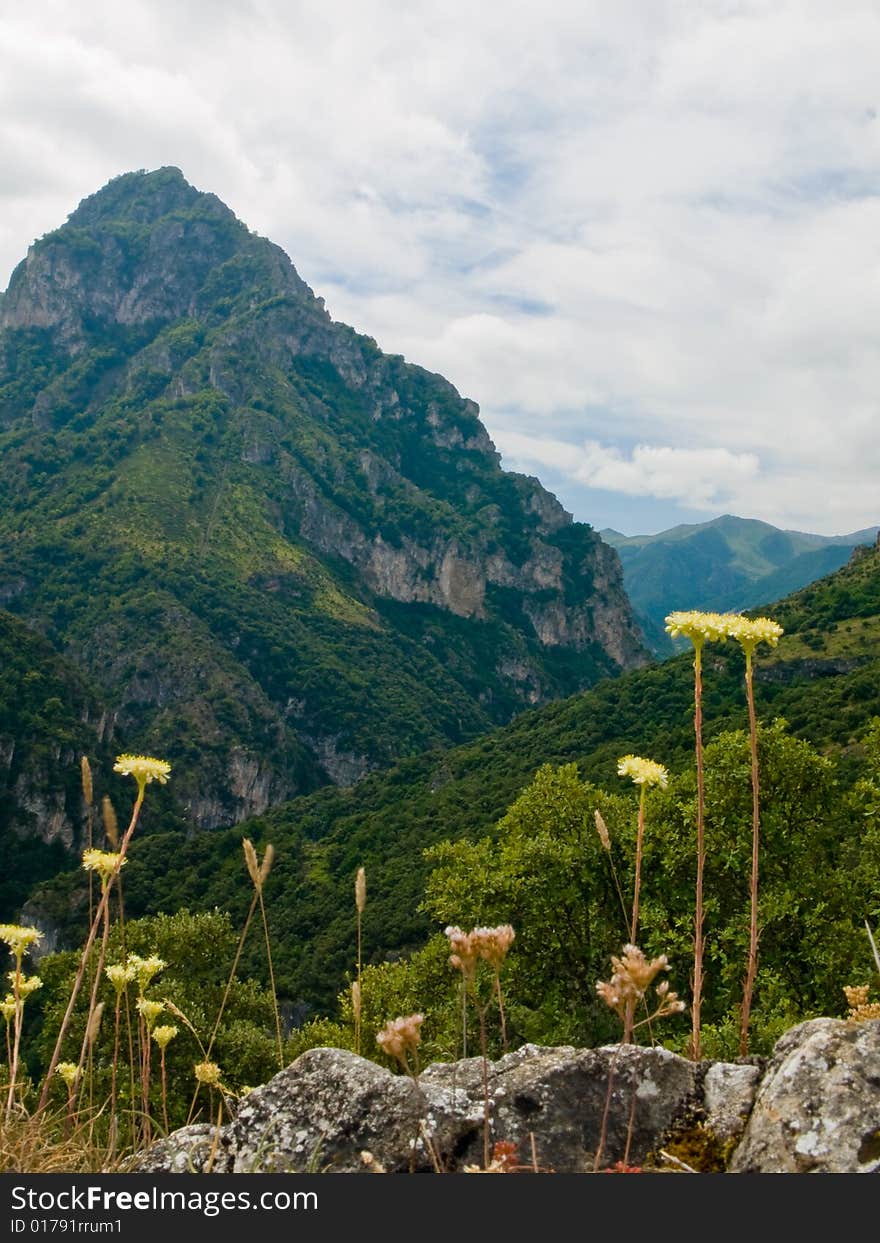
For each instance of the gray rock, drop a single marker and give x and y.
(728, 1095)
(188, 1151)
(817, 1109)
(322, 1112)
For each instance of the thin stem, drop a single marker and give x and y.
(357, 1017)
(501, 1009)
(113, 1069)
(225, 997)
(701, 854)
(463, 1017)
(752, 969)
(164, 1092)
(483, 1044)
(272, 982)
(639, 838)
(630, 1125)
(93, 932)
(93, 996)
(603, 1130)
(19, 1018)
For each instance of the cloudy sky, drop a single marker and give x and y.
(643, 234)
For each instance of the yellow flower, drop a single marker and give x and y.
(144, 768)
(120, 975)
(698, 627)
(26, 984)
(19, 939)
(103, 862)
(164, 1035)
(145, 968)
(209, 1073)
(69, 1072)
(752, 631)
(150, 1010)
(642, 772)
(7, 1008)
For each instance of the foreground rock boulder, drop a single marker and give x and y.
(815, 1106)
(817, 1110)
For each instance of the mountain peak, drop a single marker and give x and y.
(143, 197)
(147, 248)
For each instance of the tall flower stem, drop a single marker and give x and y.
(360, 901)
(113, 1068)
(93, 996)
(16, 1042)
(164, 1092)
(640, 834)
(93, 932)
(752, 968)
(701, 851)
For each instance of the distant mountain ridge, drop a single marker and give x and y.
(277, 556)
(729, 563)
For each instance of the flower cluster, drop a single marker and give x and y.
(490, 944)
(19, 939)
(164, 1035)
(119, 975)
(714, 627)
(144, 768)
(749, 632)
(149, 1011)
(633, 976)
(401, 1036)
(642, 772)
(104, 862)
(68, 1071)
(860, 1009)
(26, 984)
(698, 627)
(208, 1073)
(145, 968)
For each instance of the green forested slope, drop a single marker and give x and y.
(824, 679)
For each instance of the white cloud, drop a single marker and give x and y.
(699, 478)
(652, 225)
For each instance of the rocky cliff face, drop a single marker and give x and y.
(283, 556)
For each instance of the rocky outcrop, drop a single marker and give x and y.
(817, 1110)
(813, 1108)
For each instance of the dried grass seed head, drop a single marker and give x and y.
(111, 824)
(602, 830)
(86, 775)
(360, 890)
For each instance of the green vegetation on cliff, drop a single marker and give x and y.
(279, 556)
